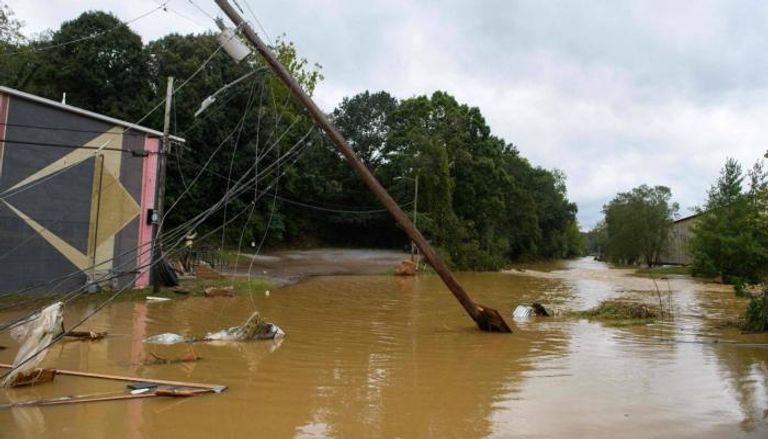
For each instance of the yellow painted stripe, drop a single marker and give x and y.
(74, 256)
(114, 136)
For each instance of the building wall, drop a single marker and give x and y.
(70, 199)
(676, 251)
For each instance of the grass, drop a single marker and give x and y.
(659, 272)
(618, 313)
(187, 287)
(196, 287)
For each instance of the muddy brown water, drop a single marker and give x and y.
(379, 356)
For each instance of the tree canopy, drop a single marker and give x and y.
(637, 224)
(731, 236)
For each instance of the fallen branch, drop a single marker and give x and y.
(86, 335)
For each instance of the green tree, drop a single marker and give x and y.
(597, 240)
(364, 121)
(10, 28)
(108, 74)
(730, 238)
(638, 224)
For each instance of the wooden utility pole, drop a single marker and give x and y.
(487, 319)
(414, 251)
(165, 146)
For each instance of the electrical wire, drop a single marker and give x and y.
(258, 23)
(202, 10)
(326, 209)
(234, 151)
(89, 37)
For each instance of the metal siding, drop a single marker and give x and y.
(29, 262)
(61, 201)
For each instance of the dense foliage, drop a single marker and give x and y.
(480, 202)
(731, 235)
(637, 224)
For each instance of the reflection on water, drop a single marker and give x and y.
(378, 356)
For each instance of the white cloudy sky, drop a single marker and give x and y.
(614, 93)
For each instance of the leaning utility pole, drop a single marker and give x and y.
(165, 146)
(487, 319)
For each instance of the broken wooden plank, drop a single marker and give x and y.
(168, 391)
(216, 388)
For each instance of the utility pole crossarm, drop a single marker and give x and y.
(487, 319)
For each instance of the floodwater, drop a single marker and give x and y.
(380, 356)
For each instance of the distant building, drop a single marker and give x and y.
(676, 250)
(76, 189)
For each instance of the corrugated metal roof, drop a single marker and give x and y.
(91, 114)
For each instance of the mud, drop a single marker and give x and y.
(284, 268)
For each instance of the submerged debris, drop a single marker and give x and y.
(37, 376)
(406, 268)
(188, 357)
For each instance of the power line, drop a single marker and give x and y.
(328, 209)
(266, 34)
(202, 10)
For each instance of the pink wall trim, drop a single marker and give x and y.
(144, 254)
(4, 101)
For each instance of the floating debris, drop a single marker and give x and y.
(523, 312)
(34, 335)
(255, 328)
(157, 299)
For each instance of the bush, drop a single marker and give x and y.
(756, 314)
